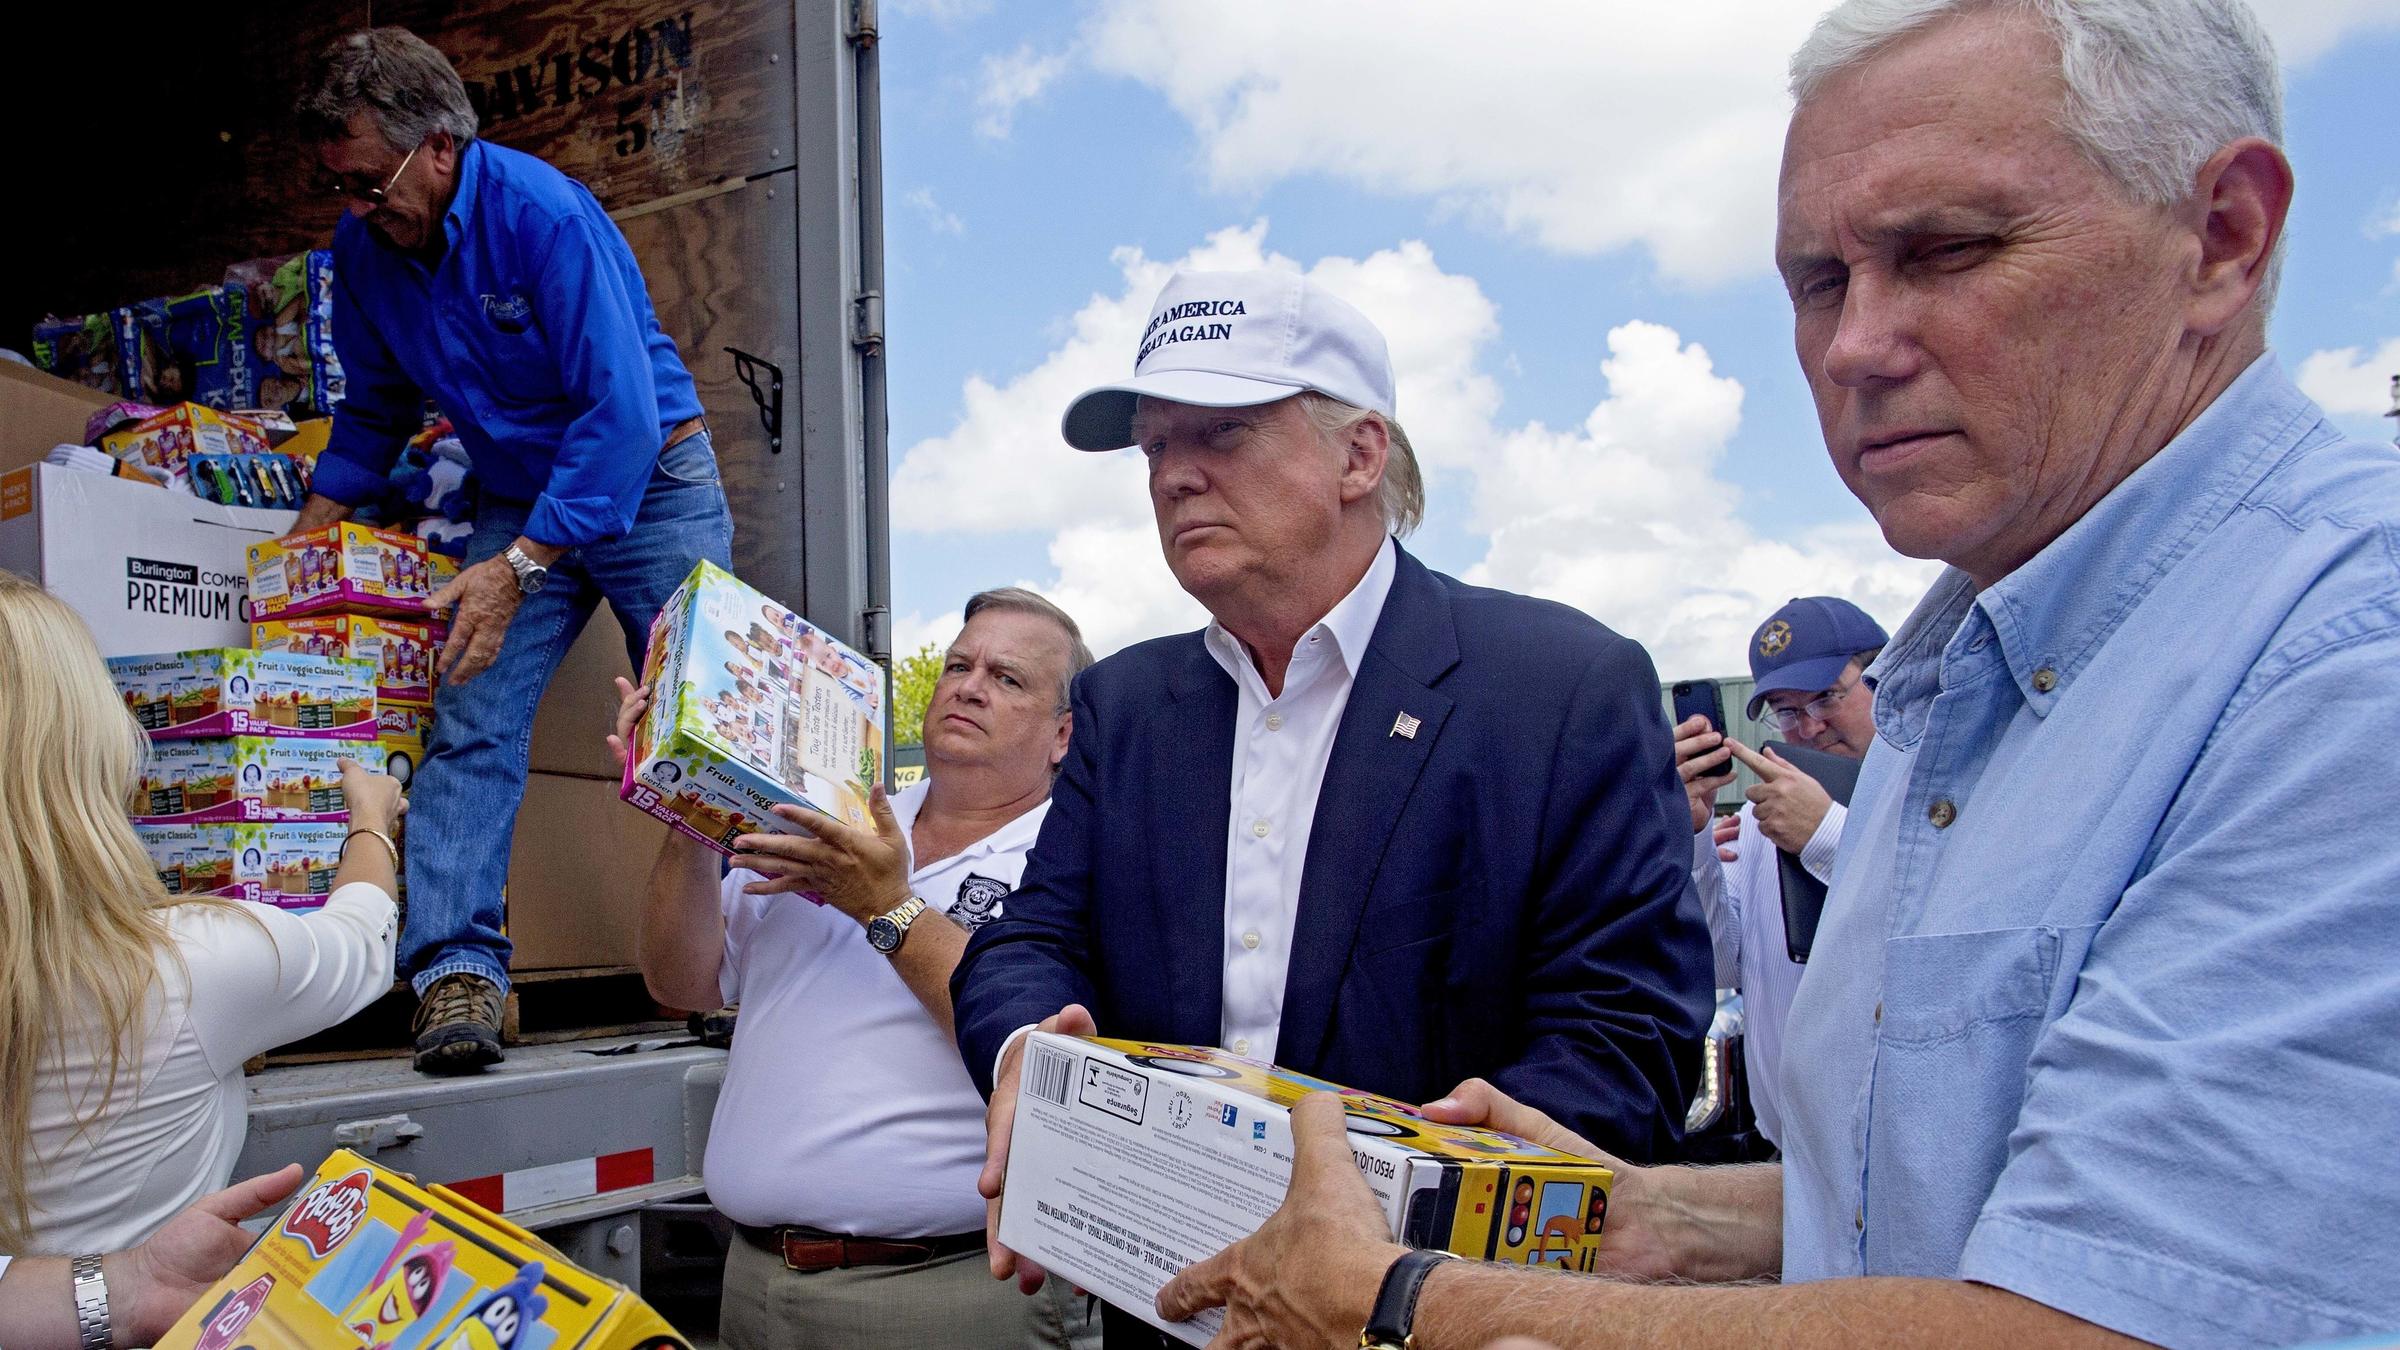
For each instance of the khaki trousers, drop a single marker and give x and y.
(949, 1303)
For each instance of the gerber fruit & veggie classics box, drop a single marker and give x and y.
(1131, 1161)
(284, 863)
(349, 567)
(233, 691)
(365, 1258)
(751, 707)
(247, 778)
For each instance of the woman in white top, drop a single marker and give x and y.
(125, 1013)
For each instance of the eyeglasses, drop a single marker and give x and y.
(340, 187)
(1816, 709)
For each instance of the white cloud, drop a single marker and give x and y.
(1588, 127)
(937, 219)
(2307, 29)
(1623, 516)
(2351, 382)
(1010, 81)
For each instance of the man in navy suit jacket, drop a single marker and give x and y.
(1373, 824)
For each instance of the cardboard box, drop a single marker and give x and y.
(247, 778)
(287, 864)
(347, 567)
(577, 875)
(571, 727)
(400, 651)
(753, 707)
(366, 1257)
(1131, 1161)
(401, 730)
(168, 441)
(148, 570)
(38, 411)
(233, 691)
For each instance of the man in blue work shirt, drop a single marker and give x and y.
(496, 285)
(2094, 1047)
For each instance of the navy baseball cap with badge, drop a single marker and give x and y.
(1236, 340)
(1804, 646)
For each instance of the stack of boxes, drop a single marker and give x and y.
(354, 592)
(242, 796)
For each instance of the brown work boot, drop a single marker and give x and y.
(458, 1025)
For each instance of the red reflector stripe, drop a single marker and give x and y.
(620, 1170)
(484, 1191)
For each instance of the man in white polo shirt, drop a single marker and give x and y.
(848, 1136)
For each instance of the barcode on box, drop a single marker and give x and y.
(1047, 1075)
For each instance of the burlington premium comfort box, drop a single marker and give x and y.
(347, 567)
(148, 569)
(367, 1258)
(752, 707)
(233, 691)
(1131, 1161)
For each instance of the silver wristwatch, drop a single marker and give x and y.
(91, 1303)
(885, 932)
(531, 576)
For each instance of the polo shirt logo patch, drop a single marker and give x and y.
(509, 313)
(978, 901)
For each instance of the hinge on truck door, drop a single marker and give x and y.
(866, 321)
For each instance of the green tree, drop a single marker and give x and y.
(912, 689)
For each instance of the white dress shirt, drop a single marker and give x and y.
(1281, 745)
(242, 980)
(1743, 900)
(844, 1107)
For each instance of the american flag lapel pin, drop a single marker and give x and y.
(1405, 727)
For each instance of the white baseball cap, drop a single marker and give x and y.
(1236, 340)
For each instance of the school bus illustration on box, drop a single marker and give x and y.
(1483, 1193)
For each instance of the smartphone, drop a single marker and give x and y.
(1704, 698)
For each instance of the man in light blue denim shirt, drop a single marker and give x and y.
(2096, 1045)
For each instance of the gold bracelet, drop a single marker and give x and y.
(379, 837)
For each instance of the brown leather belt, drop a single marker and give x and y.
(806, 1250)
(684, 431)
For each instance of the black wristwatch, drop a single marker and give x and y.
(1392, 1325)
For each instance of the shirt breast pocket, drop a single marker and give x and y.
(1960, 1017)
(509, 341)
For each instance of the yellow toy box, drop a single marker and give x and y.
(401, 730)
(752, 707)
(367, 1260)
(1131, 1161)
(345, 568)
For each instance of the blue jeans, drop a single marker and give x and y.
(462, 804)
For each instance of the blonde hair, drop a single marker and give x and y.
(1401, 494)
(80, 902)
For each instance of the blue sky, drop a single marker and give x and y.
(1563, 229)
